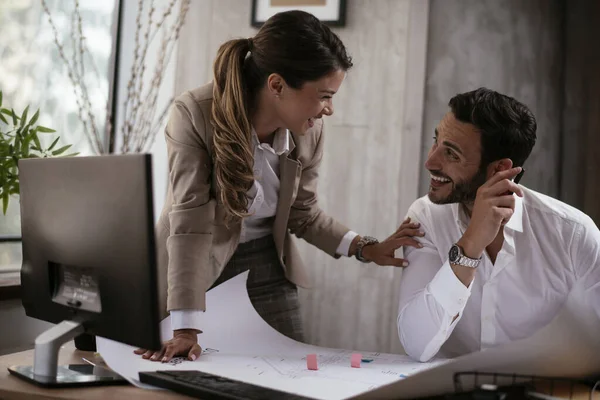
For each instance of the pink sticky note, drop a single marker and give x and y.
(311, 362)
(355, 360)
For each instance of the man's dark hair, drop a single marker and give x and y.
(507, 126)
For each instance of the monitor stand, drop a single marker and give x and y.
(46, 371)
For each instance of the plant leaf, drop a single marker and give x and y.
(43, 129)
(53, 144)
(34, 118)
(61, 150)
(36, 140)
(14, 116)
(18, 139)
(3, 119)
(0, 98)
(4, 202)
(71, 154)
(26, 145)
(24, 116)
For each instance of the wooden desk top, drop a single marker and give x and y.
(13, 388)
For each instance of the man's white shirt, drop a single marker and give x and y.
(550, 249)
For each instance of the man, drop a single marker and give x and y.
(498, 260)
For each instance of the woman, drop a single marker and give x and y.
(244, 153)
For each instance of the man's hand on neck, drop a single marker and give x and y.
(492, 209)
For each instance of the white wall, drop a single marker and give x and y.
(370, 172)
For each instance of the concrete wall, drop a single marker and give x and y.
(369, 175)
(581, 112)
(512, 46)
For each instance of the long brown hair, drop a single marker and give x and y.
(293, 44)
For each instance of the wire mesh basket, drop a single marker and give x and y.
(487, 385)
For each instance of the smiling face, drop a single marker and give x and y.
(299, 108)
(454, 162)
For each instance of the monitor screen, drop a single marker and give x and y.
(88, 245)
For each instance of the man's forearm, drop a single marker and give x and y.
(427, 320)
(472, 250)
(421, 332)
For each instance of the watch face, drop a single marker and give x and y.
(454, 253)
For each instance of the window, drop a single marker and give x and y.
(33, 73)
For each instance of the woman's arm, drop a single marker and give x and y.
(193, 210)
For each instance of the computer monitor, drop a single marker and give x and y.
(89, 261)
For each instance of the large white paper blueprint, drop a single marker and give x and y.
(569, 346)
(237, 343)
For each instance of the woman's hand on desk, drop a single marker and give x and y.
(183, 344)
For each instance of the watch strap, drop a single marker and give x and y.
(362, 242)
(456, 256)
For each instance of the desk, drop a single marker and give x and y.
(12, 388)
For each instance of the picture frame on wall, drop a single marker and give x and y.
(330, 12)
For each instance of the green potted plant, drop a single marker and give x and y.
(19, 139)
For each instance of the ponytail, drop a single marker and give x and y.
(233, 154)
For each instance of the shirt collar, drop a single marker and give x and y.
(281, 141)
(515, 223)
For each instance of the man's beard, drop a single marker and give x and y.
(464, 192)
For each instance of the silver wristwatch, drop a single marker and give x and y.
(456, 256)
(362, 242)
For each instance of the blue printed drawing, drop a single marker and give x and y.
(366, 360)
(177, 360)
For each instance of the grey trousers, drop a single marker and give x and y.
(272, 295)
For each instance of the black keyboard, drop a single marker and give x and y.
(207, 386)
